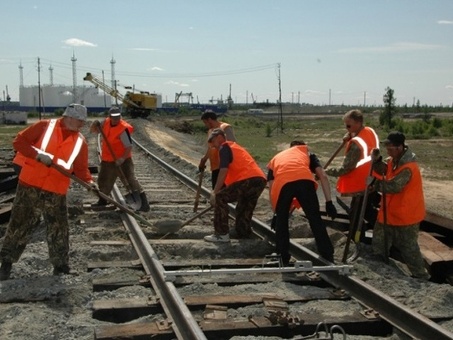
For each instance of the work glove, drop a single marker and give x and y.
(119, 161)
(94, 186)
(212, 199)
(201, 166)
(44, 159)
(347, 137)
(331, 210)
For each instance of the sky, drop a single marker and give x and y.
(306, 51)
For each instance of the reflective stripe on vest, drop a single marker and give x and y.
(45, 142)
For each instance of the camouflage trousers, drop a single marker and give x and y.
(405, 239)
(28, 206)
(109, 172)
(246, 194)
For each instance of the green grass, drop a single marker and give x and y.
(7, 134)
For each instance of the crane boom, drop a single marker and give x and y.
(109, 90)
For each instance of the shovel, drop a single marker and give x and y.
(172, 226)
(133, 197)
(103, 196)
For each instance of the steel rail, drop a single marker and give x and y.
(408, 321)
(182, 321)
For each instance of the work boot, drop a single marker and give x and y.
(5, 271)
(63, 269)
(145, 205)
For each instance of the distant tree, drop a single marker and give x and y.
(385, 118)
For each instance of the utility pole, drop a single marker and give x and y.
(74, 78)
(364, 99)
(39, 89)
(280, 123)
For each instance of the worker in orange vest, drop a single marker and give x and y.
(42, 189)
(209, 119)
(291, 176)
(356, 166)
(402, 206)
(118, 134)
(240, 180)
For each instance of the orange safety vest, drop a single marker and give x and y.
(287, 166)
(408, 206)
(355, 181)
(113, 133)
(62, 151)
(243, 165)
(214, 158)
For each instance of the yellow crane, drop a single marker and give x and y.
(139, 104)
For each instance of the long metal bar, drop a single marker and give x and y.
(301, 266)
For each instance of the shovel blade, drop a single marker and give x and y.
(134, 201)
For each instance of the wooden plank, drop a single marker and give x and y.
(256, 325)
(114, 264)
(437, 219)
(131, 331)
(434, 250)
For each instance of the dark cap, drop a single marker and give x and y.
(115, 111)
(297, 142)
(215, 133)
(209, 114)
(395, 138)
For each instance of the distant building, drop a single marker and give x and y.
(59, 96)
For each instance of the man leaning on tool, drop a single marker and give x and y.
(42, 189)
(118, 134)
(240, 180)
(353, 173)
(402, 204)
(290, 176)
(209, 119)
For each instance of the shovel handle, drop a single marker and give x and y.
(197, 195)
(334, 155)
(101, 194)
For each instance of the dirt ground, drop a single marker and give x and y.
(37, 305)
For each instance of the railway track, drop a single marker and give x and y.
(147, 283)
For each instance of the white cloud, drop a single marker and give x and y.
(397, 47)
(155, 68)
(445, 22)
(78, 43)
(449, 87)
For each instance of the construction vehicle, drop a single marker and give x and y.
(135, 104)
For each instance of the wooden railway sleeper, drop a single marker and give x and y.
(328, 333)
